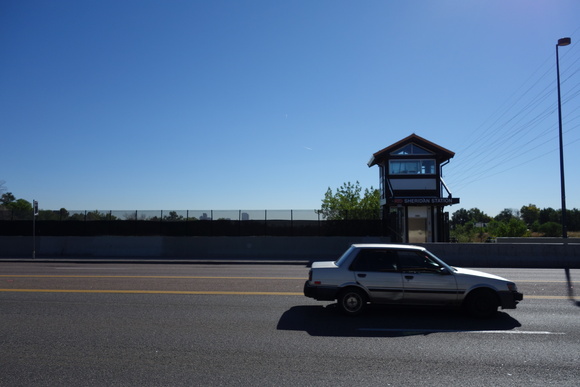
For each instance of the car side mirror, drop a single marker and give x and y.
(444, 271)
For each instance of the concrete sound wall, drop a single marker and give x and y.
(231, 248)
(531, 255)
(282, 248)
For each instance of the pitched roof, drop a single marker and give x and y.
(442, 153)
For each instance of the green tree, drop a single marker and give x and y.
(479, 216)
(7, 198)
(507, 214)
(462, 216)
(464, 233)
(20, 205)
(96, 215)
(347, 203)
(173, 216)
(573, 219)
(551, 229)
(549, 215)
(48, 215)
(530, 214)
(514, 227)
(61, 214)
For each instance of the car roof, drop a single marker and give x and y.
(386, 246)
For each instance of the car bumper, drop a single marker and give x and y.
(509, 300)
(320, 293)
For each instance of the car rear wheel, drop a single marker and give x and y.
(482, 303)
(352, 301)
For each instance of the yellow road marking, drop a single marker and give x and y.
(153, 292)
(146, 276)
(196, 277)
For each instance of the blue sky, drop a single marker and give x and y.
(175, 105)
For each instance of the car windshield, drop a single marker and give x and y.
(439, 260)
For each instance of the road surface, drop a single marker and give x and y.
(186, 324)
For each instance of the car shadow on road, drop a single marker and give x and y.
(379, 321)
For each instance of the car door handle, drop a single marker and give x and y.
(361, 275)
(409, 277)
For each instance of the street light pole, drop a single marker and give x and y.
(561, 42)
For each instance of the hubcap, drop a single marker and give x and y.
(352, 302)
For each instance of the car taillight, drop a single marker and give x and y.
(309, 275)
(512, 287)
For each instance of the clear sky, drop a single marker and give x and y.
(175, 105)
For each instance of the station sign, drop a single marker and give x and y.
(418, 201)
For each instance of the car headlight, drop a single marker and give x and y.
(512, 287)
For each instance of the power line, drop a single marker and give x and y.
(517, 128)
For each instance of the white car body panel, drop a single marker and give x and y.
(405, 275)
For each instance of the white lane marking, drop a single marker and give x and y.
(89, 268)
(459, 331)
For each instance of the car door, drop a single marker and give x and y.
(377, 270)
(425, 281)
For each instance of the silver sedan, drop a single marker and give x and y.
(406, 275)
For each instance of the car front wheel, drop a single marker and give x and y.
(482, 303)
(352, 301)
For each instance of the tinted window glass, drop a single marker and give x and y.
(418, 262)
(375, 260)
(413, 167)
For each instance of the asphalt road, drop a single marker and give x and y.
(171, 325)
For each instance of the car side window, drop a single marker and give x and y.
(417, 262)
(375, 260)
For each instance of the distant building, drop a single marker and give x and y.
(413, 193)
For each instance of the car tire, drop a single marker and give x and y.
(352, 301)
(482, 303)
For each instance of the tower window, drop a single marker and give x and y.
(412, 167)
(411, 149)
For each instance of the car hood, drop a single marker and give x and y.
(476, 273)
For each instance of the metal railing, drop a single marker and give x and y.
(185, 215)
